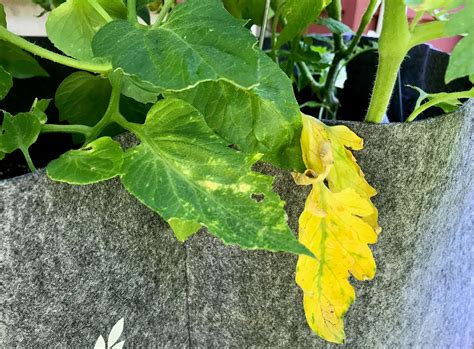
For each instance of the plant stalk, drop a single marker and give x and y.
(100, 10)
(393, 46)
(27, 156)
(263, 27)
(112, 109)
(366, 18)
(132, 11)
(54, 57)
(335, 12)
(163, 12)
(341, 53)
(53, 128)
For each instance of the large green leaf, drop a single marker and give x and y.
(461, 62)
(6, 83)
(299, 14)
(265, 119)
(98, 161)
(82, 98)
(187, 174)
(200, 41)
(18, 63)
(72, 25)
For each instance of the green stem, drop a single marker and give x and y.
(416, 19)
(112, 109)
(54, 57)
(316, 86)
(100, 10)
(163, 12)
(132, 11)
(27, 156)
(52, 128)
(263, 27)
(120, 120)
(427, 32)
(335, 12)
(366, 18)
(393, 46)
(330, 98)
(445, 98)
(276, 20)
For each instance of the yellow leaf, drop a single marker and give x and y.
(345, 173)
(337, 225)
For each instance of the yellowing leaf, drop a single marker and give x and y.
(337, 225)
(345, 173)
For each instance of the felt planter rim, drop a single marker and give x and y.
(391, 125)
(429, 120)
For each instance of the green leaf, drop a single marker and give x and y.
(19, 132)
(183, 229)
(200, 41)
(183, 171)
(72, 25)
(38, 109)
(447, 106)
(18, 63)
(265, 119)
(82, 98)
(6, 83)
(96, 162)
(3, 17)
(141, 91)
(246, 9)
(461, 62)
(430, 5)
(334, 26)
(299, 14)
(447, 101)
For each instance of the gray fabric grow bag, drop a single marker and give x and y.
(76, 259)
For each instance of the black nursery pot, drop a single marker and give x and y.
(77, 259)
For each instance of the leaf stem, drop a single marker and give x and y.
(53, 128)
(27, 156)
(440, 99)
(416, 20)
(135, 128)
(112, 109)
(263, 27)
(100, 10)
(316, 86)
(276, 20)
(330, 99)
(427, 32)
(132, 11)
(366, 18)
(335, 12)
(54, 57)
(163, 12)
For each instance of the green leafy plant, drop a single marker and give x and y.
(202, 81)
(188, 66)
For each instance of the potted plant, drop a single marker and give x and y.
(219, 106)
